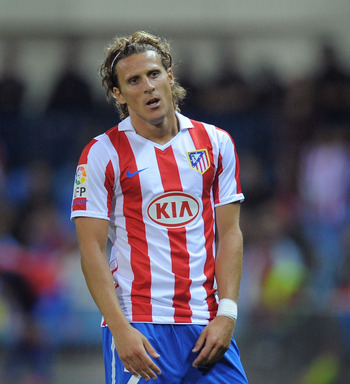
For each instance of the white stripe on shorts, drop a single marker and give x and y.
(113, 361)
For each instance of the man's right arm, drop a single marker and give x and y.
(131, 345)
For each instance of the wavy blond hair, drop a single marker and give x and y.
(124, 46)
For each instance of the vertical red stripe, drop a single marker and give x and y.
(216, 180)
(201, 140)
(239, 188)
(109, 184)
(132, 209)
(180, 257)
(84, 155)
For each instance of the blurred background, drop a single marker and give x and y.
(276, 75)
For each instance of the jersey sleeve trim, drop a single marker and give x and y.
(94, 215)
(230, 199)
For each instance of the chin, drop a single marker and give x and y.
(157, 121)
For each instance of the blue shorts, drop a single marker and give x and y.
(174, 343)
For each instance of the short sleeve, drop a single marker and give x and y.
(227, 186)
(94, 183)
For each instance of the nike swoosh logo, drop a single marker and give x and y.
(131, 174)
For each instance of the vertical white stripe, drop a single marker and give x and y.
(113, 361)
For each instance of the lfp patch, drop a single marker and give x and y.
(80, 188)
(199, 160)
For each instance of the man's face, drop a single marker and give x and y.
(145, 86)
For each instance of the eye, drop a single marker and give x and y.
(133, 80)
(154, 74)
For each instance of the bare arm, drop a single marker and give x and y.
(216, 337)
(228, 265)
(131, 345)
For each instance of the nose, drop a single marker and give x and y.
(149, 87)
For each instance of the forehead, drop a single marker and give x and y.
(137, 63)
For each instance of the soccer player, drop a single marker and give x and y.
(165, 189)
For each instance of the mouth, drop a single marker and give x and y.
(153, 102)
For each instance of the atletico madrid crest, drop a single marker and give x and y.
(199, 160)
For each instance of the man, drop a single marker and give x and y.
(165, 189)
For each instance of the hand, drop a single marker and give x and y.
(214, 341)
(133, 349)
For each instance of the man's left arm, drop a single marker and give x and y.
(216, 337)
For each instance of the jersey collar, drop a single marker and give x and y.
(184, 123)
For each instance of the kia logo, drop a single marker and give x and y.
(173, 209)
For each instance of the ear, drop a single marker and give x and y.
(118, 95)
(171, 77)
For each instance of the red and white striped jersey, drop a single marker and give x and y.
(160, 200)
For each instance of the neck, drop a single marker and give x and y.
(159, 132)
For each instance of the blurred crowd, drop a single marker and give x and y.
(293, 141)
